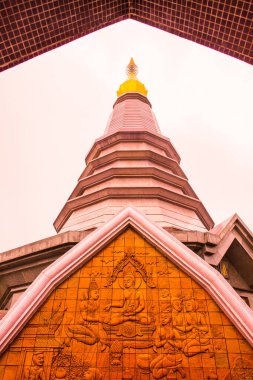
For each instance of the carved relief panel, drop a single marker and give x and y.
(129, 313)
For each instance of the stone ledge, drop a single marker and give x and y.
(134, 192)
(42, 245)
(158, 141)
(142, 172)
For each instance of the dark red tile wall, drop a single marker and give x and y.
(31, 27)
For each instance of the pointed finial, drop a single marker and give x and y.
(132, 84)
(132, 69)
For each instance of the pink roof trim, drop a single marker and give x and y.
(225, 296)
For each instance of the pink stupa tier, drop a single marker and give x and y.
(133, 164)
(132, 113)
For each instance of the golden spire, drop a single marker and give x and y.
(132, 84)
(132, 69)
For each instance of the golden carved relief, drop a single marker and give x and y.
(129, 313)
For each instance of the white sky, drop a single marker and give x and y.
(54, 106)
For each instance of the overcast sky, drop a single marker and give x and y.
(54, 106)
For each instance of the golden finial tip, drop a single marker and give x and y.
(132, 84)
(132, 69)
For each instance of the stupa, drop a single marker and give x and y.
(133, 164)
(138, 283)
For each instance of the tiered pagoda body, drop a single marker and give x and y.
(133, 164)
(144, 285)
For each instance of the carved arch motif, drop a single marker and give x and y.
(129, 258)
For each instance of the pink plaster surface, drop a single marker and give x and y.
(133, 181)
(124, 195)
(131, 115)
(146, 171)
(132, 164)
(132, 146)
(218, 288)
(158, 211)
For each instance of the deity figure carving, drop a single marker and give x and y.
(36, 371)
(89, 304)
(170, 360)
(88, 329)
(164, 334)
(190, 328)
(177, 312)
(164, 300)
(197, 330)
(178, 320)
(132, 303)
(182, 329)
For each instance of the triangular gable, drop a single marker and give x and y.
(208, 278)
(125, 305)
(227, 231)
(229, 224)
